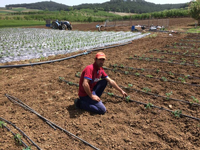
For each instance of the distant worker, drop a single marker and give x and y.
(92, 83)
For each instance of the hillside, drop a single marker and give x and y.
(137, 6)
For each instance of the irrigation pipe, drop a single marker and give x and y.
(137, 91)
(130, 100)
(171, 53)
(151, 70)
(21, 132)
(58, 60)
(15, 135)
(161, 61)
(153, 77)
(19, 102)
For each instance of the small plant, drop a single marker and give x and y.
(130, 68)
(149, 76)
(142, 69)
(149, 105)
(115, 65)
(18, 139)
(168, 95)
(171, 73)
(137, 74)
(164, 79)
(2, 123)
(146, 89)
(126, 72)
(70, 83)
(195, 99)
(158, 70)
(177, 113)
(27, 148)
(78, 74)
(128, 98)
(182, 80)
(110, 94)
(130, 85)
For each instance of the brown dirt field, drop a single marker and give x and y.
(126, 125)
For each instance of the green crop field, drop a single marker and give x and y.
(17, 23)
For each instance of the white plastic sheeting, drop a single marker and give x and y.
(29, 43)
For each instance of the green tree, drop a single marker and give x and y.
(194, 10)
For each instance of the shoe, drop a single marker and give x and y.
(76, 102)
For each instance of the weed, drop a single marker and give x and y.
(130, 85)
(149, 105)
(130, 68)
(70, 83)
(158, 70)
(121, 66)
(142, 69)
(115, 65)
(171, 73)
(177, 113)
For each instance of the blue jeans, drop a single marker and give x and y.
(88, 104)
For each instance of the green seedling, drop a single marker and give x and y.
(149, 105)
(158, 60)
(135, 55)
(171, 73)
(130, 68)
(177, 113)
(128, 98)
(146, 89)
(142, 69)
(70, 83)
(164, 79)
(168, 95)
(147, 59)
(195, 99)
(78, 74)
(121, 66)
(149, 76)
(18, 139)
(28, 148)
(182, 80)
(130, 85)
(110, 94)
(158, 70)
(137, 74)
(126, 72)
(2, 123)
(140, 58)
(130, 57)
(61, 78)
(114, 69)
(115, 65)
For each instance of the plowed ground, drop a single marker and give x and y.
(126, 125)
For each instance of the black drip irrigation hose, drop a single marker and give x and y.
(167, 61)
(53, 125)
(152, 70)
(181, 48)
(130, 100)
(15, 135)
(21, 132)
(167, 80)
(57, 60)
(171, 53)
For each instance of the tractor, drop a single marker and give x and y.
(61, 25)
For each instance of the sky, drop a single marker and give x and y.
(78, 2)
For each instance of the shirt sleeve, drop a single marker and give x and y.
(104, 75)
(88, 73)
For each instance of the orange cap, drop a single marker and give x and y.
(100, 55)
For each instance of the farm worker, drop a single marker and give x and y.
(92, 83)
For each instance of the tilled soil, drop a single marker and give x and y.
(126, 125)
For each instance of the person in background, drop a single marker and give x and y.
(92, 83)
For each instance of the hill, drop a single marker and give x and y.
(137, 6)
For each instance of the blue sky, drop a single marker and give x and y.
(77, 2)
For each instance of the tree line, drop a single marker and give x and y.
(136, 6)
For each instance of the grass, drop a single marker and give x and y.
(194, 30)
(18, 23)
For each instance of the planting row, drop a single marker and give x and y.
(20, 44)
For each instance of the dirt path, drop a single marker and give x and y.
(126, 125)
